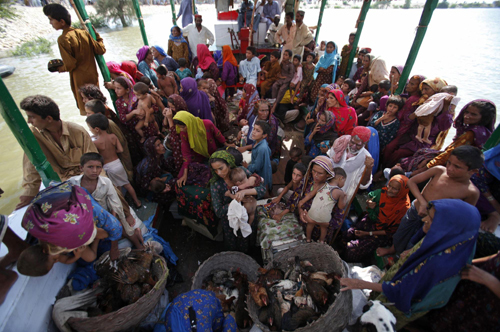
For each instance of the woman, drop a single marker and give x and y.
(206, 61)
(386, 207)
(115, 70)
(318, 107)
(90, 92)
(147, 64)
(131, 68)
(221, 163)
(229, 71)
(173, 140)
(364, 88)
(326, 68)
(426, 277)
(322, 133)
(474, 125)
(220, 110)
(197, 101)
(394, 76)
(345, 116)
(199, 139)
(251, 98)
(161, 57)
(178, 46)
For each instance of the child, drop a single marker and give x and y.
(240, 182)
(261, 153)
(242, 103)
(307, 77)
(183, 71)
(78, 50)
(159, 187)
(347, 87)
(320, 50)
(166, 84)
(108, 146)
(297, 76)
(242, 135)
(323, 203)
(340, 81)
(271, 71)
(387, 123)
(144, 111)
(295, 155)
(298, 173)
(250, 67)
(452, 181)
(345, 54)
(284, 78)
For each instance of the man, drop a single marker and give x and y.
(271, 10)
(63, 143)
(245, 16)
(271, 33)
(186, 11)
(286, 34)
(303, 36)
(197, 34)
(357, 67)
(349, 152)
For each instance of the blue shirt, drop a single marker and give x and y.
(271, 10)
(170, 63)
(144, 68)
(261, 162)
(250, 69)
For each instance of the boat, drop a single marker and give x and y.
(6, 71)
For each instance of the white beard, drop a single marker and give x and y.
(355, 153)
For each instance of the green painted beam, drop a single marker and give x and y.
(360, 23)
(493, 141)
(429, 7)
(320, 18)
(17, 124)
(174, 18)
(138, 13)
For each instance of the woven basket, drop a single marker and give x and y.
(225, 261)
(128, 316)
(324, 258)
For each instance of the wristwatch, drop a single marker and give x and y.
(371, 233)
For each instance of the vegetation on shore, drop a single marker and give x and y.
(34, 47)
(116, 11)
(96, 20)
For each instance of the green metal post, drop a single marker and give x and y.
(493, 141)
(174, 18)
(138, 13)
(360, 23)
(429, 7)
(320, 18)
(99, 58)
(24, 136)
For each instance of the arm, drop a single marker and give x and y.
(257, 162)
(413, 185)
(210, 37)
(366, 180)
(169, 50)
(359, 284)
(306, 198)
(285, 190)
(119, 147)
(218, 205)
(113, 200)
(66, 54)
(340, 196)
(31, 182)
(482, 277)
(97, 44)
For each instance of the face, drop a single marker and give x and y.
(149, 57)
(322, 46)
(296, 159)
(393, 188)
(181, 127)
(351, 39)
(159, 148)
(85, 99)
(120, 90)
(332, 101)
(94, 131)
(296, 62)
(243, 122)
(298, 17)
(392, 109)
(263, 113)
(288, 20)
(244, 94)
(319, 174)
(154, 52)
(88, 112)
(323, 92)
(322, 120)
(92, 169)
(340, 81)
(361, 57)
(221, 169)
(428, 219)
(36, 120)
(57, 25)
(276, 21)
(309, 58)
(273, 58)
(176, 32)
(140, 96)
(258, 133)
(366, 61)
(395, 75)
(286, 56)
(457, 169)
(472, 115)
(345, 88)
(330, 48)
(204, 88)
(198, 21)
(412, 85)
(171, 106)
(427, 90)
(355, 144)
(249, 55)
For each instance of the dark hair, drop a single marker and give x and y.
(333, 44)
(33, 261)
(201, 82)
(306, 160)
(374, 88)
(276, 54)
(363, 51)
(352, 34)
(182, 62)
(122, 81)
(92, 92)
(296, 56)
(252, 49)
(396, 171)
(144, 79)
(450, 89)
(469, 155)
(98, 120)
(179, 123)
(385, 84)
(266, 128)
(311, 54)
(176, 27)
(396, 100)
(162, 70)
(300, 167)
(295, 152)
(289, 52)
(141, 88)
(41, 105)
(237, 174)
(350, 83)
(207, 75)
(488, 112)
(90, 156)
(57, 12)
(96, 106)
(238, 156)
(157, 186)
(289, 14)
(339, 171)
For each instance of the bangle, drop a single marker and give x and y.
(490, 198)
(371, 233)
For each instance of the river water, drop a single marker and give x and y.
(461, 45)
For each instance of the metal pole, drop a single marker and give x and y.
(359, 27)
(174, 18)
(82, 12)
(493, 141)
(24, 136)
(138, 13)
(429, 7)
(320, 19)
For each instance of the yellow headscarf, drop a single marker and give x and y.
(196, 131)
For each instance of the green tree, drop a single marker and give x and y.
(443, 5)
(407, 4)
(116, 10)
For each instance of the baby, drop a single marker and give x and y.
(324, 201)
(240, 181)
(144, 108)
(242, 136)
(159, 187)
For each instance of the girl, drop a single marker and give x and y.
(326, 68)
(251, 97)
(323, 131)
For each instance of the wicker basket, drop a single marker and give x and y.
(324, 258)
(225, 261)
(128, 316)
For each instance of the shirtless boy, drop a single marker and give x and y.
(144, 110)
(452, 181)
(166, 83)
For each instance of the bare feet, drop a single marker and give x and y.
(15, 246)
(419, 139)
(7, 279)
(426, 141)
(385, 251)
(491, 224)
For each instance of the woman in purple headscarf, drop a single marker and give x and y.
(197, 101)
(147, 64)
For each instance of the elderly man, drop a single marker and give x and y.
(271, 10)
(197, 34)
(303, 37)
(245, 16)
(349, 152)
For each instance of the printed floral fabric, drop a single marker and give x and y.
(270, 230)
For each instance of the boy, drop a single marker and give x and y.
(452, 181)
(261, 154)
(250, 67)
(295, 155)
(346, 51)
(144, 111)
(297, 76)
(103, 191)
(166, 84)
(77, 49)
(108, 146)
(183, 72)
(271, 71)
(284, 78)
(307, 76)
(298, 172)
(96, 106)
(386, 123)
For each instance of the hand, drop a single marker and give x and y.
(228, 194)
(114, 253)
(348, 284)
(361, 233)
(316, 128)
(473, 273)
(278, 217)
(284, 42)
(239, 196)
(422, 210)
(307, 116)
(244, 164)
(371, 204)
(101, 234)
(61, 69)
(78, 251)
(182, 180)
(109, 85)
(309, 121)
(276, 200)
(242, 149)
(369, 162)
(130, 220)
(404, 253)
(24, 201)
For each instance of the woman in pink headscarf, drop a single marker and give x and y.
(115, 70)
(345, 116)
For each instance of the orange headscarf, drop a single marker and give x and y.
(393, 209)
(227, 55)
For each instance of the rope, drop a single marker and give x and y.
(420, 26)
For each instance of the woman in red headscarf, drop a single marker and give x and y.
(345, 116)
(115, 70)
(206, 61)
